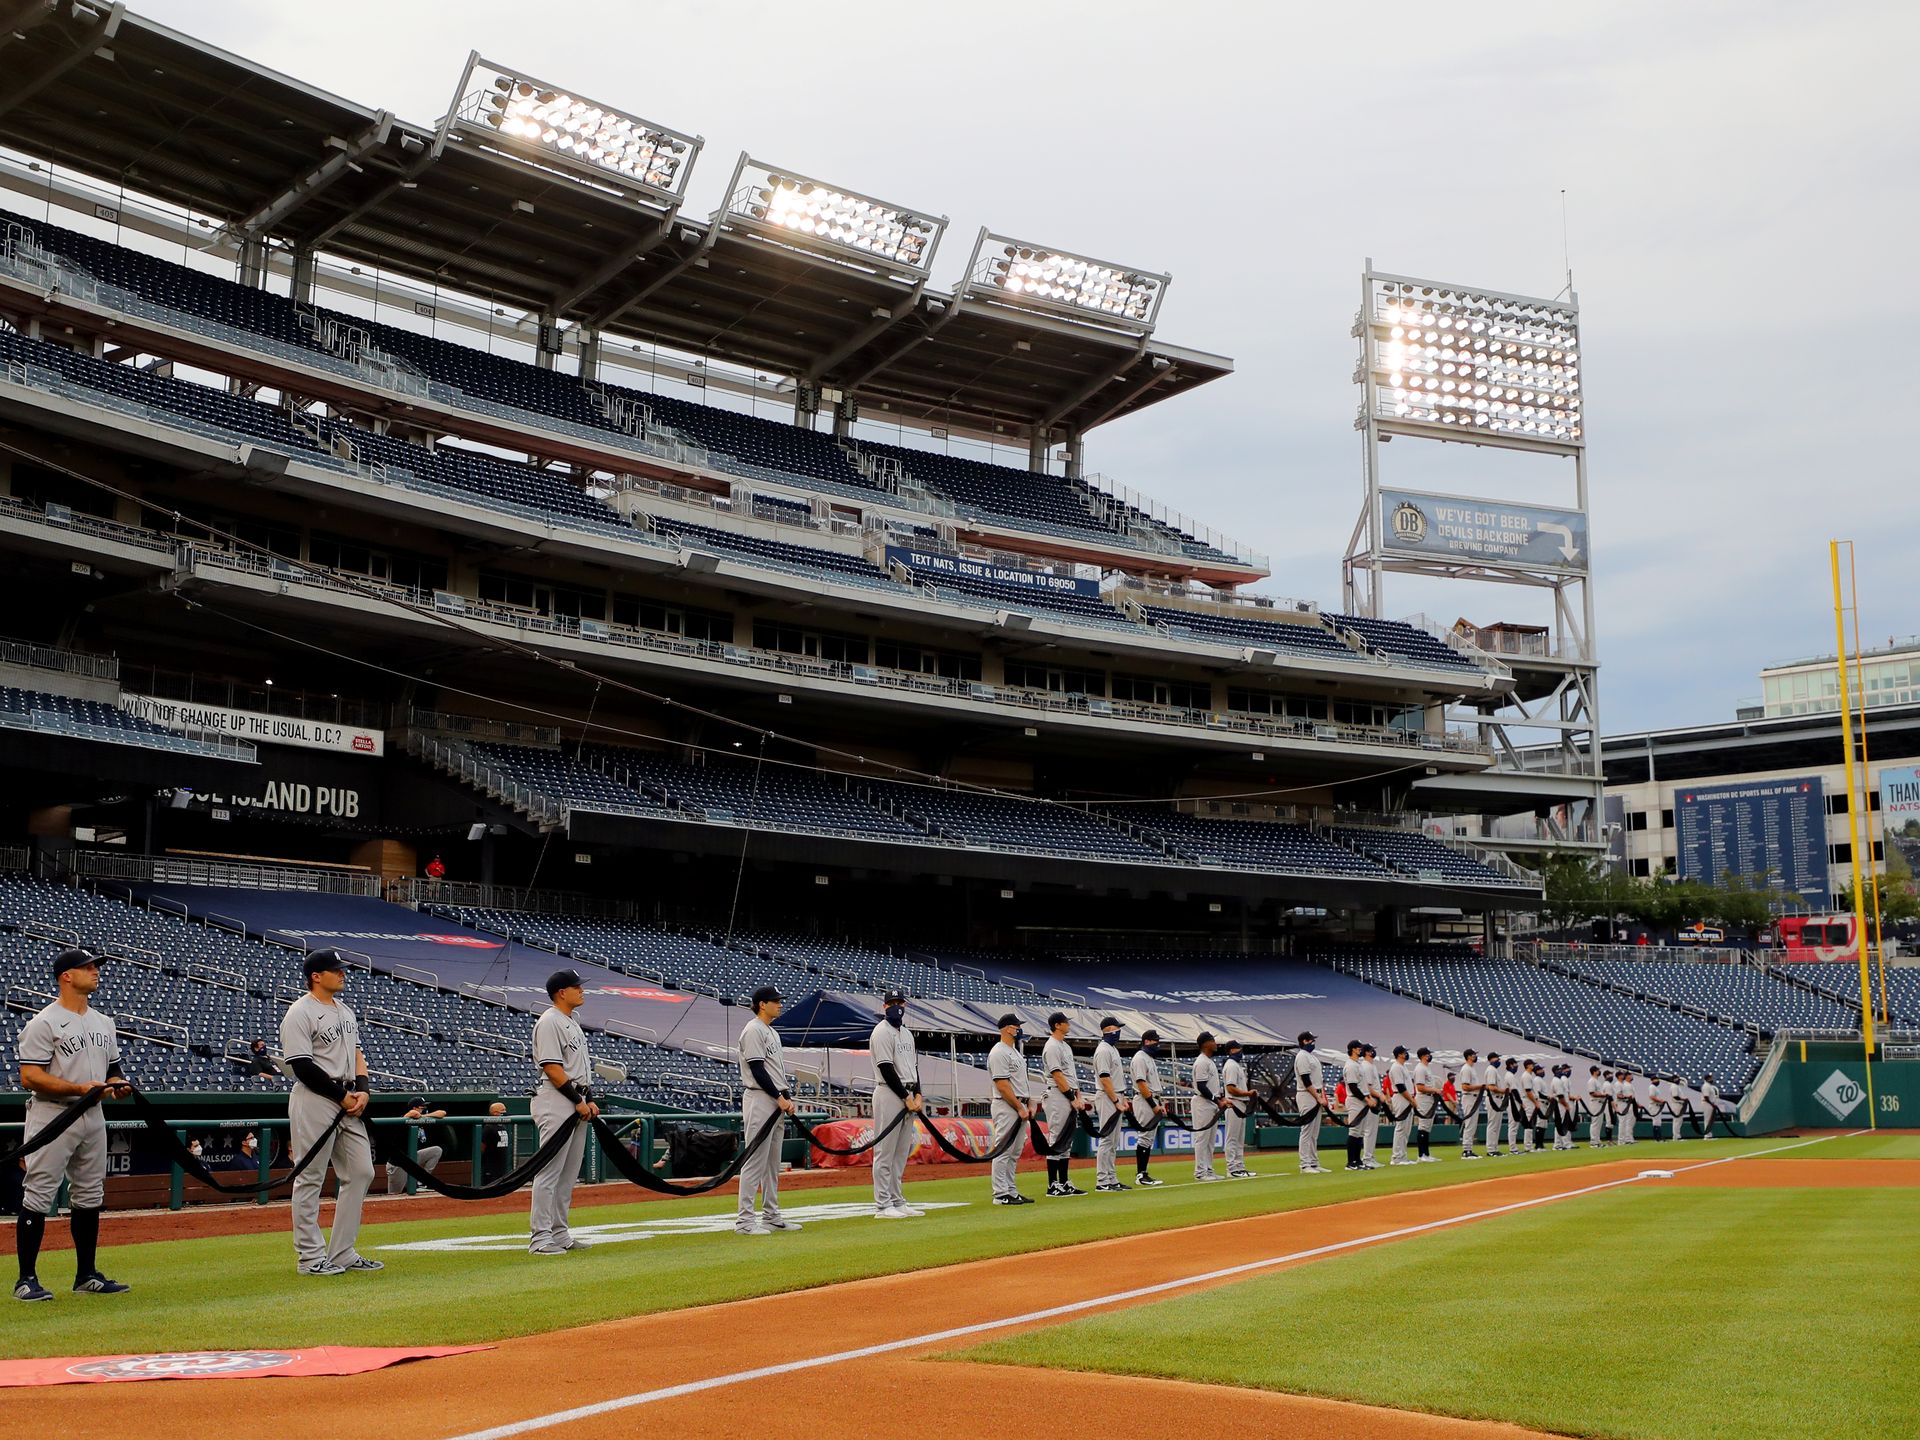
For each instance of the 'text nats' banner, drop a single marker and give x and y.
(1900, 799)
(926, 565)
(256, 727)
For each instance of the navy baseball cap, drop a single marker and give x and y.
(1149, 1037)
(1399, 1049)
(328, 959)
(74, 959)
(1424, 1053)
(767, 995)
(1008, 1019)
(1232, 1044)
(561, 980)
(893, 997)
(1109, 1023)
(1306, 1037)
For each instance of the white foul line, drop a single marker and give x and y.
(959, 1332)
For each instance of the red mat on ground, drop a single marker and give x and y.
(215, 1364)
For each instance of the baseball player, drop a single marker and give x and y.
(1109, 1078)
(1007, 1070)
(66, 1050)
(1353, 1074)
(1370, 1080)
(1493, 1100)
(896, 1066)
(1525, 1104)
(1677, 1103)
(1625, 1104)
(1709, 1106)
(1143, 1072)
(1239, 1102)
(1207, 1107)
(765, 1089)
(1400, 1093)
(1471, 1087)
(1658, 1100)
(1310, 1098)
(561, 1098)
(1061, 1098)
(1561, 1089)
(1429, 1091)
(1599, 1097)
(320, 1040)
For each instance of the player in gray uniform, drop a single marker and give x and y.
(1472, 1090)
(1353, 1075)
(1310, 1099)
(320, 1041)
(1625, 1108)
(1599, 1096)
(1710, 1104)
(1109, 1096)
(1428, 1097)
(1400, 1094)
(1522, 1106)
(1207, 1109)
(896, 1068)
(1561, 1090)
(1007, 1072)
(1060, 1097)
(64, 1051)
(1239, 1102)
(561, 1098)
(765, 1089)
(1376, 1106)
(1494, 1101)
(1143, 1073)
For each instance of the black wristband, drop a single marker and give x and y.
(573, 1092)
(360, 1086)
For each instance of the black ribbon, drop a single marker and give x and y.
(396, 1156)
(1724, 1117)
(56, 1127)
(1007, 1142)
(630, 1169)
(155, 1120)
(1054, 1149)
(813, 1136)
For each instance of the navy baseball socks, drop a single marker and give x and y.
(27, 1236)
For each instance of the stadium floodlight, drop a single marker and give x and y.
(1016, 272)
(557, 127)
(799, 210)
(1471, 364)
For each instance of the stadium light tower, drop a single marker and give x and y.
(1019, 273)
(798, 210)
(516, 114)
(1449, 362)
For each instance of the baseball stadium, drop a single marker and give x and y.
(608, 828)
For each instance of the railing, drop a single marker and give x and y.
(535, 804)
(1184, 528)
(419, 892)
(1456, 642)
(233, 875)
(67, 662)
(473, 727)
(1568, 954)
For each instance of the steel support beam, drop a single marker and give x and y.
(88, 44)
(263, 220)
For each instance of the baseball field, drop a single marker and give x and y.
(1759, 1286)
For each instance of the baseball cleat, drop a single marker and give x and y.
(754, 1229)
(572, 1244)
(1071, 1189)
(31, 1289)
(98, 1284)
(1429, 1160)
(1242, 1174)
(322, 1267)
(785, 1225)
(1111, 1187)
(1012, 1200)
(546, 1249)
(1149, 1181)
(1209, 1176)
(891, 1212)
(360, 1262)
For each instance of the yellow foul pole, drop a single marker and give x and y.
(1853, 823)
(1867, 790)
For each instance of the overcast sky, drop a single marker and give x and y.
(1741, 201)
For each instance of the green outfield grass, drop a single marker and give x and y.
(1885, 1145)
(241, 1290)
(1638, 1313)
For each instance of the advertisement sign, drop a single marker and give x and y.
(925, 565)
(1769, 832)
(1495, 532)
(254, 726)
(1900, 799)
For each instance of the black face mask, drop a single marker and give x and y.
(1112, 1037)
(1151, 1049)
(896, 1014)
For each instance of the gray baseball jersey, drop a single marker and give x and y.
(1107, 1061)
(559, 1040)
(894, 1045)
(323, 1032)
(1058, 1055)
(1004, 1062)
(1143, 1067)
(760, 1041)
(1307, 1076)
(1207, 1073)
(1709, 1092)
(1354, 1073)
(1425, 1075)
(77, 1048)
(1399, 1082)
(1233, 1076)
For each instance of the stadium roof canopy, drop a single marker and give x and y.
(131, 103)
